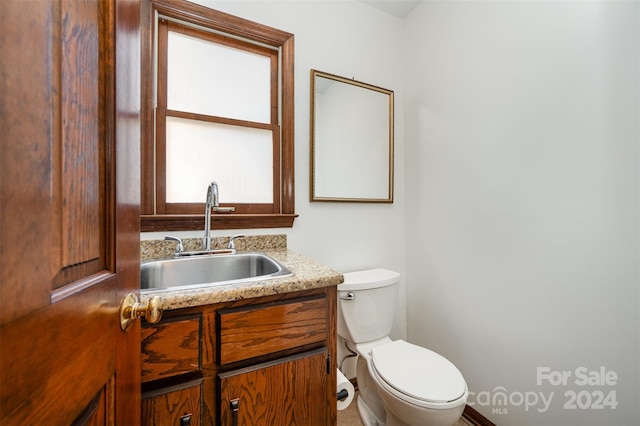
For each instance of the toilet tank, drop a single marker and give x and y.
(367, 304)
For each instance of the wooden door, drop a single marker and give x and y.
(291, 391)
(69, 211)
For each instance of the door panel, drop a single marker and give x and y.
(46, 358)
(100, 409)
(26, 216)
(82, 220)
(69, 212)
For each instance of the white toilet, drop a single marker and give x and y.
(399, 383)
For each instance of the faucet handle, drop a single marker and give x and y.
(224, 209)
(179, 246)
(232, 244)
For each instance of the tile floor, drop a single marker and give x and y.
(350, 417)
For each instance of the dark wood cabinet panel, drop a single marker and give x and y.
(173, 407)
(258, 330)
(171, 348)
(288, 391)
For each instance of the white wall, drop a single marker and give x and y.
(522, 199)
(353, 40)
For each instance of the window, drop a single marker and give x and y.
(217, 106)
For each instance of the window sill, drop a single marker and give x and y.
(155, 223)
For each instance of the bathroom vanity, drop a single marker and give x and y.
(254, 353)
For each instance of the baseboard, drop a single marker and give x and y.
(475, 418)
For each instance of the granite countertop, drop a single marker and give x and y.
(308, 274)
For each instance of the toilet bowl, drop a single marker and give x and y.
(399, 383)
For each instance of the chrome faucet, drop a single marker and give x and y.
(211, 202)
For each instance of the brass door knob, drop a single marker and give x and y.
(131, 309)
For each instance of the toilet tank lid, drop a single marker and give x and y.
(372, 278)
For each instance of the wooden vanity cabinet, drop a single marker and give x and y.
(259, 361)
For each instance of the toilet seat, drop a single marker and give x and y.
(417, 375)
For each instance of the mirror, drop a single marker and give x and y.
(351, 134)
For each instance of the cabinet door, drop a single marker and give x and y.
(177, 406)
(290, 391)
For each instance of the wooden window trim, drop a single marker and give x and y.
(282, 212)
(162, 206)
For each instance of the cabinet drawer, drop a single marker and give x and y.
(171, 348)
(259, 330)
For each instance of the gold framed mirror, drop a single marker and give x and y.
(351, 134)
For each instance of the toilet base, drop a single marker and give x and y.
(446, 417)
(367, 415)
(369, 418)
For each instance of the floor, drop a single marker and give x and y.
(350, 417)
